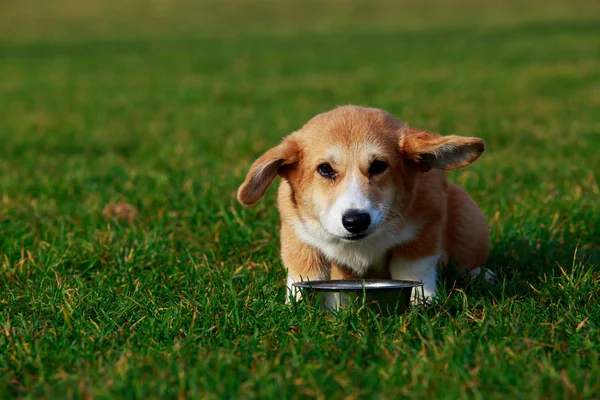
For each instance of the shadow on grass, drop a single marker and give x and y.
(519, 264)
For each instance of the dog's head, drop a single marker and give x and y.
(352, 170)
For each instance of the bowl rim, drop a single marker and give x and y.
(353, 285)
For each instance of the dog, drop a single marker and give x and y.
(364, 195)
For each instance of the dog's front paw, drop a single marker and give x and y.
(476, 273)
(422, 295)
(292, 292)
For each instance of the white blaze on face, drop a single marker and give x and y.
(352, 198)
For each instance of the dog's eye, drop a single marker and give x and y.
(326, 170)
(377, 167)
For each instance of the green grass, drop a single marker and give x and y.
(165, 104)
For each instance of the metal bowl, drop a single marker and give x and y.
(385, 296)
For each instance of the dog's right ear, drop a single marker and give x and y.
(265, 169)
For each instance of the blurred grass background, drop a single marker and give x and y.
(74, 20)
(164, 104)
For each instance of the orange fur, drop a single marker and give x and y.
(417, 215)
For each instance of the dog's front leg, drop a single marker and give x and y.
(423, 269)
(302, 262)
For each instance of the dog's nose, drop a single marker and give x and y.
(356, 221)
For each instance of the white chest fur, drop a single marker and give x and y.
(359, 255)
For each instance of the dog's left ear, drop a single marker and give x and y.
(429, 150)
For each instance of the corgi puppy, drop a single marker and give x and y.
(363, 195)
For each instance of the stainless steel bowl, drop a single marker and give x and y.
(388, 297)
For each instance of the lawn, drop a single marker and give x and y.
(164, 105)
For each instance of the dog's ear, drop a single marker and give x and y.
(265, 169)
(429, 150)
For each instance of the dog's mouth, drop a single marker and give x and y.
(351, 238)
(355, 238)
